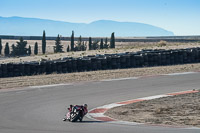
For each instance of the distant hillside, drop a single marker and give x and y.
(101, 28)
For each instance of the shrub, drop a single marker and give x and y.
(162, 43)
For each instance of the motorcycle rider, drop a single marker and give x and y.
(84, 112)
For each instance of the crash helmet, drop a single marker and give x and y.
(85, 105)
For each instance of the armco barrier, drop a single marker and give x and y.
(144, 58)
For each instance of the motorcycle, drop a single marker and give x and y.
(74, 115)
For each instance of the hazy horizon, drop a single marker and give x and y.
(101, 28)
(179, 16)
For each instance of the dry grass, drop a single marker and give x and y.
(121, 47)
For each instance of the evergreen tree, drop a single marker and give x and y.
(90, 43)
(7, 50)
(81, 46)
(106, 44)
(112, 40)
(95, 45)
(79, 43)
(72, 41)
(29, 50)
(13, 50)
(21, 45)
(101, 44)
(44, 42)
(36, 48)
(84, 46)
(20, 48)
(58, 47)
(68, 48)
(0, 46)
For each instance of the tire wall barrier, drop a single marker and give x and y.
(144, 58)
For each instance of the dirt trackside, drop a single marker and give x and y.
(178, 110)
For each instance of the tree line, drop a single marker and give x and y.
(21, 49)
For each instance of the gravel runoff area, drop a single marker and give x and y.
(24, 81)
(180, 110)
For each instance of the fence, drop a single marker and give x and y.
(145, 58)
(138, 39)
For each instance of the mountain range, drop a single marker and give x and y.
(101, 28)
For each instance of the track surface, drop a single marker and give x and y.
(41, 109)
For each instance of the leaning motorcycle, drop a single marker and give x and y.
(75, 115)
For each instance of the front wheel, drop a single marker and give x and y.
(75, 117)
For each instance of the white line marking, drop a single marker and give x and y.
(96, 114)
(91, 117)
(192, 128)
(170, 74)
(120, 79)
(44, 86)
(31, 87)
(184, 73)
(110, 106)
(153, 97)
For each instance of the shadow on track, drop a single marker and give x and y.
(90, 122)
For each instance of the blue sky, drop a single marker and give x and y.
(179, 16)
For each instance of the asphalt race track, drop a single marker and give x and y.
(41, 109)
